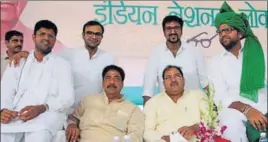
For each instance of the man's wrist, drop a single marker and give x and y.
(42, 108)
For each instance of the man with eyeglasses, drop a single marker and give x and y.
(174, 110)
(239, 77)
(175, 52)
(14, 42)
(86, 62)
(36, 95)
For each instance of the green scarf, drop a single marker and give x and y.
(253, 67)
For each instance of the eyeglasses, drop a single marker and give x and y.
(50, 36)
(91, 34)
(226, 30)
(176, 28)
(176, 76)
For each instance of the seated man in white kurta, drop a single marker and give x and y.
(36, 95)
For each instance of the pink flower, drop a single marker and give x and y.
(203, 130)
(223, 128)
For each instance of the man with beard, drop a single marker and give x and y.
(86, 62)
(175, 110)
(100, 118)
(35, 95)
(238, 75)
(174, 52)
(11, 11)
(14, 42)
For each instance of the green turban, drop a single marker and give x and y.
(253, 67)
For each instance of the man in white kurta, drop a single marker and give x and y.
(174, 52)
(87, 62)
(39, 82)
(86, 71)
(225, 72)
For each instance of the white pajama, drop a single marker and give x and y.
(38, 136)
(225, 73)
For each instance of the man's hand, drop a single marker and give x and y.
(8, 115)
(257, 119)
(72, 132)
(30, 112)
(166, 138)
(17, 57)
(187, 131)
(145, 99)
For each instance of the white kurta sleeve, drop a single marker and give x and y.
(8, 87)
(150, 75)
(223, 96)
(201, 68)
(65, 98)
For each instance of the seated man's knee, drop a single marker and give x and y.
(38, 136)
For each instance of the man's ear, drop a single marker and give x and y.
(33, 37)
(6, 41)
(240, 35)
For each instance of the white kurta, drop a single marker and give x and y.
(188, 58)
(35, 83)
(225, 73)
(87, 71)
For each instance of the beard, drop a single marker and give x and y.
(44, 51)
(229, 45)
(173, 38)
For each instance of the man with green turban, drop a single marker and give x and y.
(238, 76)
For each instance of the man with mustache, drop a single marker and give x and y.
(174, 110)
(87, 62)
(239, 77)
(14, 42)
(36, 95)
(175, 52)
(101, 117)
(11, 10)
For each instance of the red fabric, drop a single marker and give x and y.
(219, 139)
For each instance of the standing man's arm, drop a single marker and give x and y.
(201, 69)
(135, 128)
(150, 77)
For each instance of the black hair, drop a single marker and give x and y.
(12, 33)
(93, 23)
(171, 66)
(116, 68)
(172, 18)
(45, 24)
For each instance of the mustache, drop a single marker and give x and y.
(173, 34)
(111, 85)
(174, 83)
(19, 46)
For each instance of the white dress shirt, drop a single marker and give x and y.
(87, 71)
(225, 73)
(36, 83)
(188, 58)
